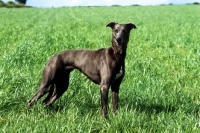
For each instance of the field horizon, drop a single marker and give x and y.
(161, 88)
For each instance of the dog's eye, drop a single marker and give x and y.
(116, 30)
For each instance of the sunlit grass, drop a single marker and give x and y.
(161, 88)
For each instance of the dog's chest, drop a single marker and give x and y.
(119, 74)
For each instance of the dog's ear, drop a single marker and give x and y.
(130, 26)
(111, 24)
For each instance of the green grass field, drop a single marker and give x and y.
(160, 91)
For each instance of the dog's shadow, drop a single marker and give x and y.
(144, 105)
(154, 108)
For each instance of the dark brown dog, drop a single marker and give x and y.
(105, 67)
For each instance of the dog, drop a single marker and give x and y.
(105, 66)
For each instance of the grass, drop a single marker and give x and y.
(161, 89)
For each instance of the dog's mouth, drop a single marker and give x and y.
(119, 44)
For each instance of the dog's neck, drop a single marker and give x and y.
(119, 51)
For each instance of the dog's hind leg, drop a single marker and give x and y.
(48, 80)
(61, 86)
(43, 89)
(46, 100)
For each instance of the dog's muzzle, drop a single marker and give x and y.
(119, 41)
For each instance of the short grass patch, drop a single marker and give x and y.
(161, 88)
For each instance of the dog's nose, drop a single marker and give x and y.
(119, 40)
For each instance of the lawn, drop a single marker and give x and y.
(161, 88)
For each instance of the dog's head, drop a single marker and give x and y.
(120, 32)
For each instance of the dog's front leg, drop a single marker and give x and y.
(115, 97)
(104, 99)
(115, 93)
